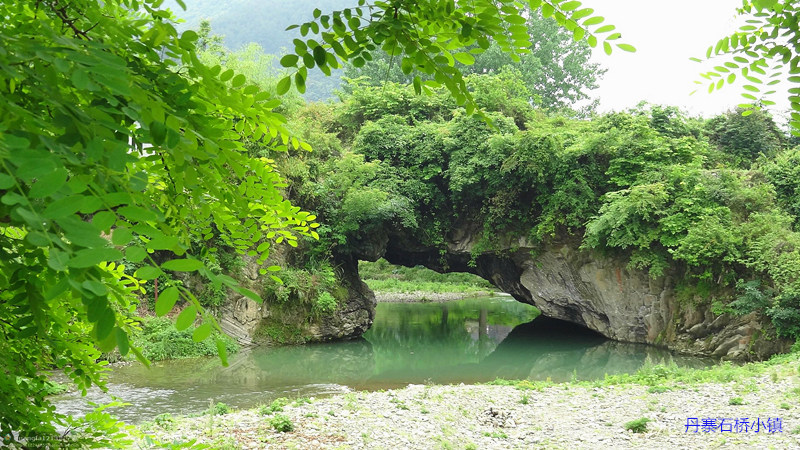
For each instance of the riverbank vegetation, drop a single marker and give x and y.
(158, 339)
(381, 276)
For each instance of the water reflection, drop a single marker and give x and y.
(466, 341)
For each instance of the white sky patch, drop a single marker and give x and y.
(666, 34)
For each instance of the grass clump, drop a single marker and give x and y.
(495, 434)
(164, 421)
(637, 426)
(276, 406)
(220, 409)
(658, 389)
(281, 423)
(736, 401)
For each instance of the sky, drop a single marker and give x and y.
(666, 34)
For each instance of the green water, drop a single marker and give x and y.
(467, 341)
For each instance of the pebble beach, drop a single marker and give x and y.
(520, 416)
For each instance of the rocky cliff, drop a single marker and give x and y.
(599, 292)
(252, 323)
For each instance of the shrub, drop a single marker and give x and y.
(276, 406)
(159, 340)
(638, 425)
(165, 421)
(326, 304)
(220, 409)
(281, 423)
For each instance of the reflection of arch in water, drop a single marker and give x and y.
(559, 350)
(544, 348)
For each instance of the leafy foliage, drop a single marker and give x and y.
(159, 340)
(431, 37)
(116, 140)
(783, 172)
(762, 52)
(281, 423)
(556, 71)
(746, 137)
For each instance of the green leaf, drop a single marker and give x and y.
(238, 80)
(607, 47)
(137, 213)
(121, 236)
(319, 55)
(63, 207)
(248, 293)
(223, 352)
(300, 82)
(764, 4)
(6, 181)
(166, 301)
(289, 60)
(464, 58)
(135, 254)
(164, 243)
(57, 260)
(569, 6)
(104, 220)
(148, 273)
(122, 341)
(92, 256)
(202, 332)
(95, 287)
(593, 21)
(106, 324)
(284, 85)
(627, 47)
(186, 318)
(158, 132)
(580, 14)
(49, 184)
(183, 265)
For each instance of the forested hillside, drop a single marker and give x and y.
(241, 22)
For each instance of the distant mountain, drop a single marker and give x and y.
(263, 22)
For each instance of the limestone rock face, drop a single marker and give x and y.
(601, 293)
(251, 323)
(598, 292)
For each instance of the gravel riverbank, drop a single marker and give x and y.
(568, 416)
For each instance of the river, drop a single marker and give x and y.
(466, 341)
